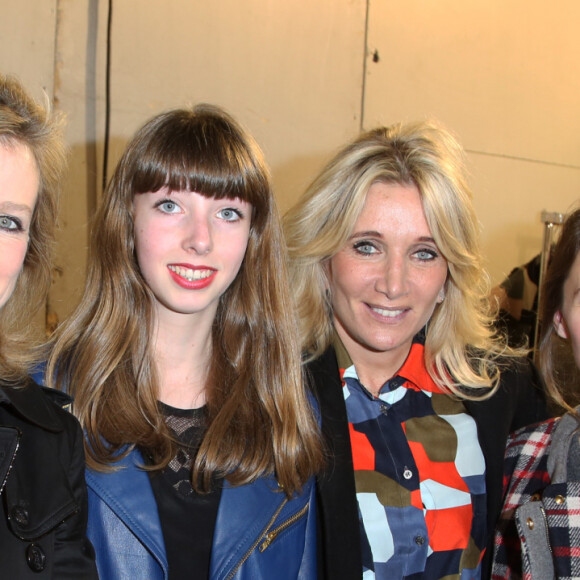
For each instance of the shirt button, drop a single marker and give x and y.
(384, 409)
(419, 540)
(20, 515)
(407, 474)
(35, 558)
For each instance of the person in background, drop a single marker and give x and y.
(517, 302)
(387, 277)
(43, 497)
(184, 361)
(538, 533)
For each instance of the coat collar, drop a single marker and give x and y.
(33, 403)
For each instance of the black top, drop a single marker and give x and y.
(187, 517)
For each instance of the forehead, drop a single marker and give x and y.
(19, 180)
(392, 208)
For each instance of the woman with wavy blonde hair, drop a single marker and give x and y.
(388, 278)
(185, 365)
(43, 496)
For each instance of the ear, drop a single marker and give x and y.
(560, 325)
(441, 295)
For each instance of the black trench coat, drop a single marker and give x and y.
(43, 495)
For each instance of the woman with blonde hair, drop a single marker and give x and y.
(43, 497)
(389, 285)
(185, 365)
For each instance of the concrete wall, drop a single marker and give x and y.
(304, 78)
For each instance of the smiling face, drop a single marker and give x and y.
(189, 248)
(19, 184)
(388, 278)
(567, 319)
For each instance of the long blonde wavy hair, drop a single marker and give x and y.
(260, 421)
(25, 122)
(461, 349)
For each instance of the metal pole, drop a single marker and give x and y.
(549, 219)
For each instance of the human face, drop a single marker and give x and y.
(19, 184)
(567, 319)
(189, 247)
(387, 279)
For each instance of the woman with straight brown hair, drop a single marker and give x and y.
(185, 365)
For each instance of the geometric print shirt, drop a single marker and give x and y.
(419, 474)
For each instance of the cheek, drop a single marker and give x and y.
(345, 279)
(573, 325)
(145, 251)
(430, 284)
(11, 261)
(13, 258)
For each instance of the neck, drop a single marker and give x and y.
(182, 350)
(374, 368)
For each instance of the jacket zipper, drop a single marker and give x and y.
(266, 537)
(271, 536)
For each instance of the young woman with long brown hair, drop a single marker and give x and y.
(185, 365)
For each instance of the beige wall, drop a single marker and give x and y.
(503, 76)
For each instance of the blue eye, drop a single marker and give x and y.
(366, 248)
(11, 224)
(230, 214)
(426, 255)
(168, 206)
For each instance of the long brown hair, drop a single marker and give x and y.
(260, 421)
(25, 122)
(562, 259)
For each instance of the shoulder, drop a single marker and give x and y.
(526, 462)
(519, 399)
(531, 441)
(324, 382)
(38, 406)
(323, 369)
(518, 373)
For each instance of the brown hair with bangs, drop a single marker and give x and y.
(260, 421)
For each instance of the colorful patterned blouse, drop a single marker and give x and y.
(420, 476)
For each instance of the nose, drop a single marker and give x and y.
(198, 235)
(392, 279)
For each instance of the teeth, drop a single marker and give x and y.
(190, 274)
(388, 313)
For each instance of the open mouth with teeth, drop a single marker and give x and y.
(190, 274)
(388, 313)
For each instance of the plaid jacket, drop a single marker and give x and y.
(538, 535)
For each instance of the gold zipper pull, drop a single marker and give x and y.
(269, 539)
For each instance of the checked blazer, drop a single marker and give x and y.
(538, 536)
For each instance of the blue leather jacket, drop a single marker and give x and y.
(259, 534)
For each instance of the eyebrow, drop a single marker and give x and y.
(18, 207)
(375, 234)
